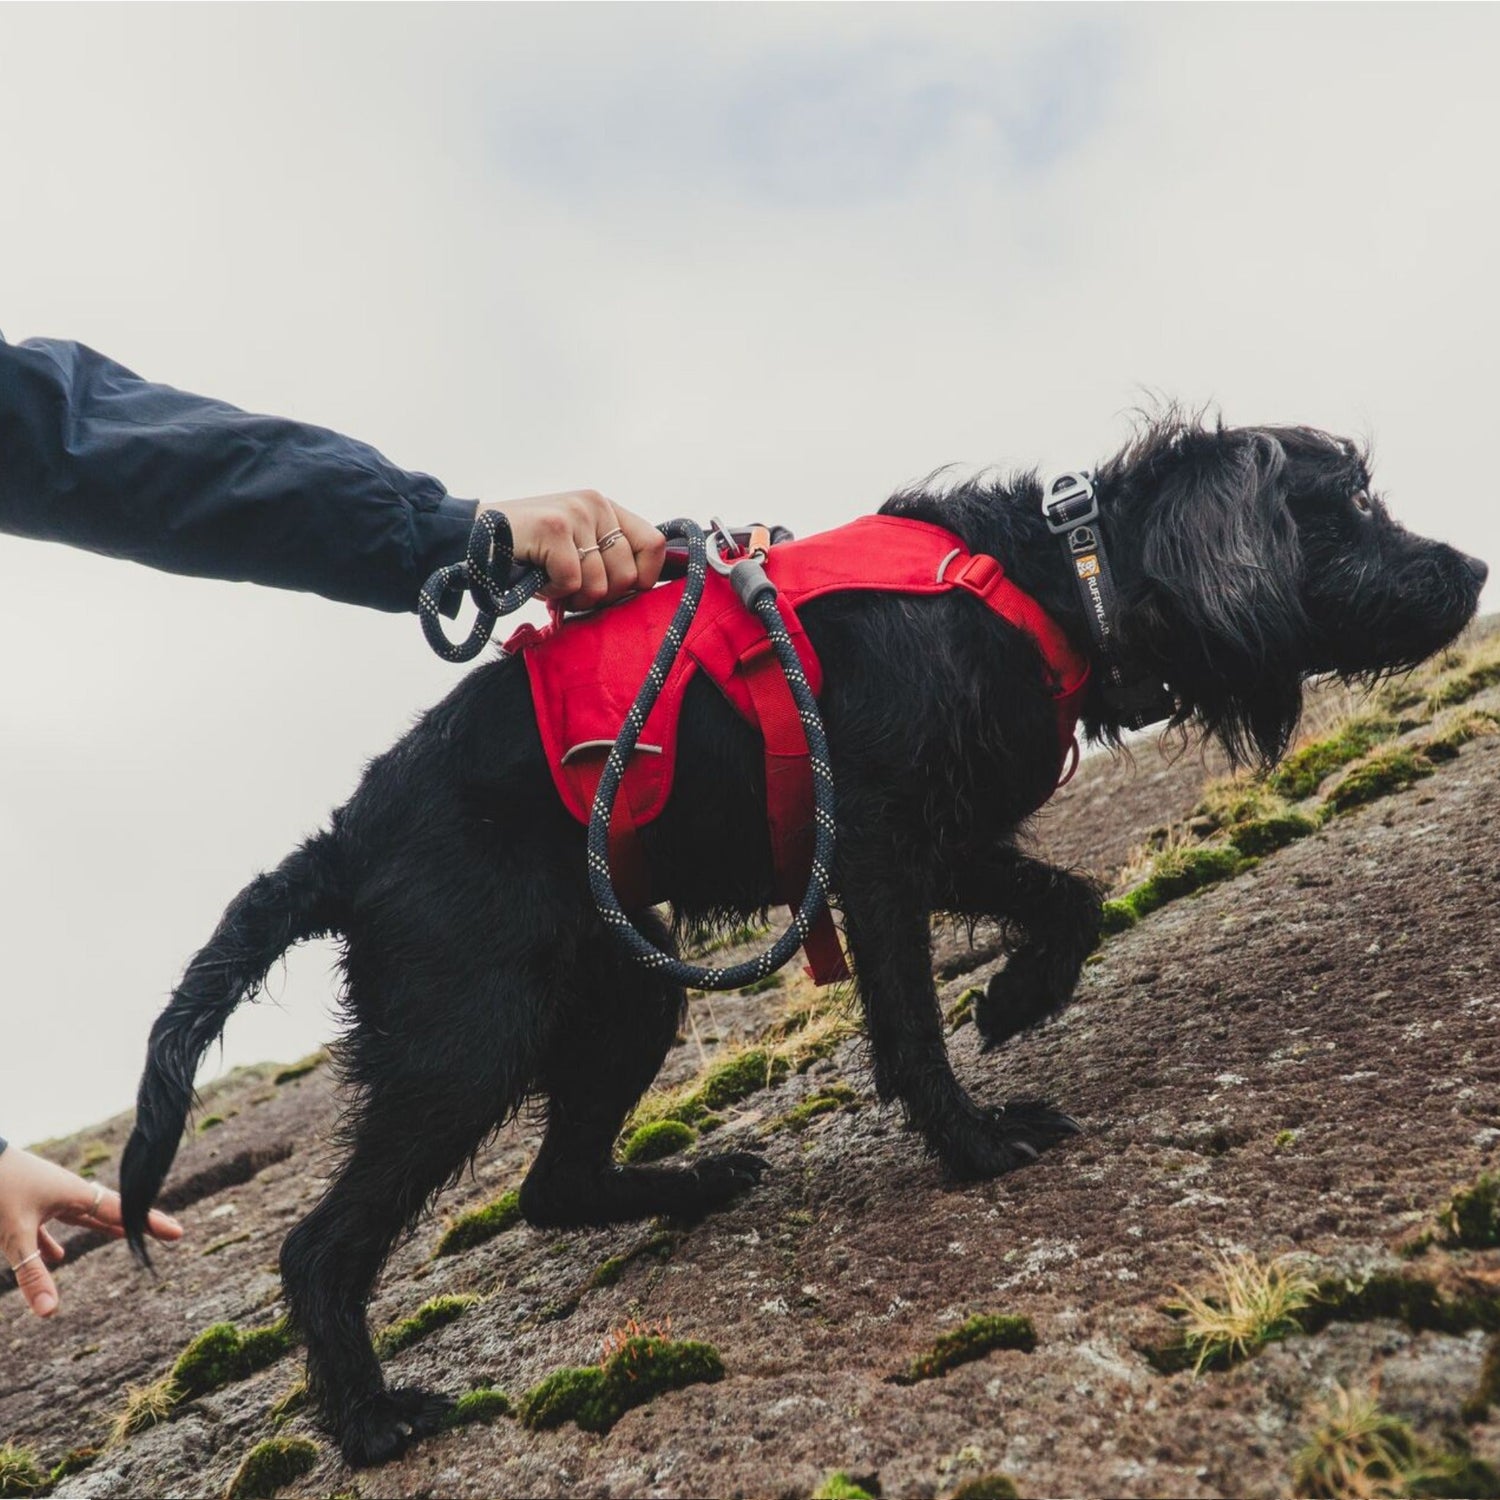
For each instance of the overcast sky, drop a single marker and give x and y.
(772, 261)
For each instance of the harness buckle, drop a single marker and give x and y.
(1069, 501)
(723, 550)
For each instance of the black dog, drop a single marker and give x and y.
(479, 974)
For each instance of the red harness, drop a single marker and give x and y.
(585, 675)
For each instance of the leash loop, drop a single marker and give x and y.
(478, 574)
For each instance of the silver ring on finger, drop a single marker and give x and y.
(98, 1199)
(610, 538)
(25, 1261)
(584, 551)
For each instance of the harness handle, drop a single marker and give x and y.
(758, 593)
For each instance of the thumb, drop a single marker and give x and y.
(37, 1286)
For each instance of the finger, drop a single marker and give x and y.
(558, 554)
(163, 1226)
(81, 1218)
(595, 585)
(37, 1287)
(52, 1252)
(647, 544)
(619, 562)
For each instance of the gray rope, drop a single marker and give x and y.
(480, 573)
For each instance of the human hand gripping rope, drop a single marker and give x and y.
(498, 589)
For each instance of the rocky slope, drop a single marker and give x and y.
(1299, 1060)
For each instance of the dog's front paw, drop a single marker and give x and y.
(388, 1424)
(1028, 989)
(715, 1180)
(994, 1141)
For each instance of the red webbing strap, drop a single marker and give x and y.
(789, 801)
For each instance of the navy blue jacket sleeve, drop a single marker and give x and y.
(92, 455)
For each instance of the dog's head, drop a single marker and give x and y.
(1254, 558)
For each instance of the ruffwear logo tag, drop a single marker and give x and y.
(1088, 567)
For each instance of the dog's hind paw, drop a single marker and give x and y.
(716, 1180)
(996, 1141)
(386, 1426)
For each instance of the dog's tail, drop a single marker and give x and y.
(299, 899)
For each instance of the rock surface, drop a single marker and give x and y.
(1300, 1060)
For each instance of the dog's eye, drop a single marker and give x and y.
(1362, 502)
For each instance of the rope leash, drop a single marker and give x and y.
(480, 574)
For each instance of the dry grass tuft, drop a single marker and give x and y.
(1251, 1305)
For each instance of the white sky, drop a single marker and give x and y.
(771, 261)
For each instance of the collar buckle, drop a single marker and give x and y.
(1069, 501)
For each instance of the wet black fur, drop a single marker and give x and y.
(478, 974)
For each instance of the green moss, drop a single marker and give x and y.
(74, 1461)
(300, 1069)
(213, 1247)
(480, 1224)
(1402, 1299)
(839, 1486)
(482, 1405)
(740, 1076)
(433, 1314)
(1380, 776)
(1177, 872)
(20, 1474)
(1238, 799)
(1302, 772)
(1264, 835)
(660, 1247)
(1472, 1219)
(981, 1335)
(222, 1354)
(961, 1012)
(209, 1122)
(1284, 1140)
(597, 1396)
(293, 1399)
(1445, 745)
(95, 1154)
(270, 1465)
(658, 1140)
(836, 1096)
(987, 1487)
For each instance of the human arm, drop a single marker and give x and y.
(93, 455)
(34, 1191)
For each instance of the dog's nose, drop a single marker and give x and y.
(1478, 567)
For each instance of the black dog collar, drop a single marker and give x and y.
(1071, 510)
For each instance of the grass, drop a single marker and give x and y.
(1250, 1305)
(74, 1461)
(961, 1012)
(271, 1465)
(634, 1373)
(209, 1122)
(980, 1335)
(1480, 671)
(836, 1096)
(480, 1224)
(20, 1474)
(433, 1314)
(1358, 1452)
(145, 1406)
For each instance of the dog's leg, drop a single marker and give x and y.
(888, 926)
(1059, 914)
(617, 1031)
(430, 1090)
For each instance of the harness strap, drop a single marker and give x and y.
(789, 808)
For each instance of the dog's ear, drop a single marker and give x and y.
(1220, 566)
